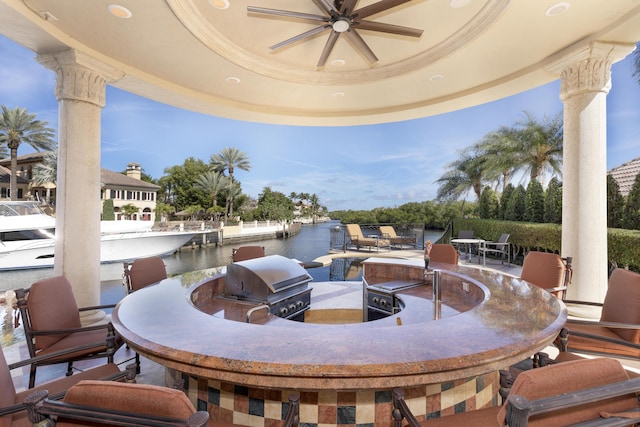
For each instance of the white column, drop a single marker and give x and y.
(81, 93)
(586, 80)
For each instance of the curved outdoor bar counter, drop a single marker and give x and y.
(243, 372)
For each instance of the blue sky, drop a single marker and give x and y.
(360, 167)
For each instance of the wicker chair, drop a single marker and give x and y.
(51, 321)
(578, 391)
(618, 331)
(13, 411)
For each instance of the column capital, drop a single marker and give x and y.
(80, 77)
(588, 69)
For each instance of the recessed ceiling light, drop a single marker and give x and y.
(436, 77)
(558, 8)
(337, 94)
(338, 62)
(220, 4)
(232, 80)
(119, 11)
(458, 3)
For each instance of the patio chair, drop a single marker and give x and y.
(91, 403)
(51, 321)
(442, 252)
(389, 233)
(617, 334)
(500, 248)
(144, 272)
(13, 411)
(354, 233)
(579, 391)
(548, 271)
(244, 253)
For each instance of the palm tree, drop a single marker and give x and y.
(47, 171)
(229, 159)
(538, 145)
(464, 174)
(232, 190)
(212, 183)
(500, 158)
(18, 126)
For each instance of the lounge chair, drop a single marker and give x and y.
(389, 233)
(354, 233)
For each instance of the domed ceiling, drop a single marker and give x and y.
(323, 62)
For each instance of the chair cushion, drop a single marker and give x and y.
(545, 270)
(445, 253)
(479, 418)
(566, 378)
(146, 271)
(577, 343)
(622, 301)
(21, 419)
(51, 305)
(133, 398)
(77, 339)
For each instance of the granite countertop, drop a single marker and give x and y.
(507, 321)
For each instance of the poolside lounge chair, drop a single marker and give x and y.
(389, 233)
(557, 395)
(354, 233)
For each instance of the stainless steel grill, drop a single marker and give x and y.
(381, 298)
(277, 281)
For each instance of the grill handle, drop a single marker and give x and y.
(254, 309)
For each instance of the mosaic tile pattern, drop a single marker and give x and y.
(266, 408)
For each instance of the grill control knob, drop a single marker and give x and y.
(300, 304)
(292, 307)
(284, 311)
(375, 300)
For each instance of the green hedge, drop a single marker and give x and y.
(623, 245)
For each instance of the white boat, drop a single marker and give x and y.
(27, 238)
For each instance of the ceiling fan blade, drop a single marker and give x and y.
(327, 6)
(348, 6)
(378, 7)
(388, 28)
(287, 13)
(328, 47)
(353, 36)
(304, 35)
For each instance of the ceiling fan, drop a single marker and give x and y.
(342, 17)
